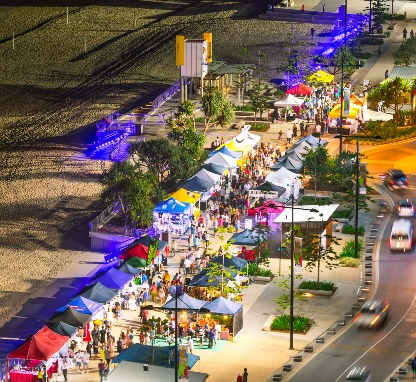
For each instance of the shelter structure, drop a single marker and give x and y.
(223, 307)
(153, 355)
(64, 329)
(300, 90)
(99, 292)
(286, 179)
(132, 371)
(172, 215)
(321, 77)
(221, 159)
(195, 184)
(71, 317)
(215, 168)
(291, 164)
(183, 302)
(113, 279)
(127, 268)
(83, 305)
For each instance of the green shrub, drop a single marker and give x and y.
(350, 229)
(243, 108)
(305, 200)
(314, 285)
(200, 119)
(259, 127)
(349, 249)
(349, 262)
(342, 214)
(372, 41)
(253, 270)
(396, 16)
(301, 324)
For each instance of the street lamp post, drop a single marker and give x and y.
(292, 265)
(357, 189)
(342, 73)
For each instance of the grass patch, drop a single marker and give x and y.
(350, 229)
(260, 127)
(301, 324)
(253, 270)
(349, 262)
(314, 285)
(305, 200)
(341, 214)
(244, 108)
(349, 249)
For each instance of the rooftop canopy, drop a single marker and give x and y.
(303, 214)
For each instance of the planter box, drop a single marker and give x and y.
(262, 279)
(317, 292)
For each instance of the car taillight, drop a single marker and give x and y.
(386, 307)
(390, 242)
(391, 182)
(358, 315)
(375, 319)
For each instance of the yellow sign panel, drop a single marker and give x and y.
(180, 50)
(208, 38)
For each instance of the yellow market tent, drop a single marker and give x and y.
(354, 111)
(321, 76)
(185, 196)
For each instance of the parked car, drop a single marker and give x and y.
(396, 179)
(405, 208)
(359, 373)
(372, 314)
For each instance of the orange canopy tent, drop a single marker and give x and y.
(41, 346)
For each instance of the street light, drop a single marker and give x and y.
(342, 72)
(292, 264)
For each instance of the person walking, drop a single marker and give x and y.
(101, 368)
(107, 356)
(302, 128)
(245, 375)
(323, 9)
(174, 247)
(412, 34)
(414, 367)
(404, 34)
(312, 32)
(289, 135)
(386, 74)
(303, 8)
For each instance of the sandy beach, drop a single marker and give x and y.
(57, 82)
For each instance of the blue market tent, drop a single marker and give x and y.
(153, 355)
(226, 151)
(63, 328)
(172, 206)
(113, 279)
(184, 302)
(204, 280)
(232, 262)
(100, 293)
(223, 306)
(127, 268)
(83, 305)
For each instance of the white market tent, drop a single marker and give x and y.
(222, 160)
(134, 371)
(285, 178)
(247, 138)
(302, 214)
(289, 101)
(207, 175)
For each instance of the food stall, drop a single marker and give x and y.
(172, 215)
(40, 350)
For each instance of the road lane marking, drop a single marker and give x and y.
(381, 339)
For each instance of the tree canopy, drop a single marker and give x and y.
(217, 109)
(393, 92)
(406, 54)
(333, 64)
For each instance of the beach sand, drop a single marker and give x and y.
(57, 82)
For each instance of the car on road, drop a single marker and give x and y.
(405, 208)
(396, 179)
(359, 373)
(372, 314)
(401, 236)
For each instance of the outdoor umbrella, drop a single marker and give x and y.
(215, 168)
(71, 317)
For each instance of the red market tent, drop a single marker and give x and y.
(300, 89)
(139, 250)
(41, 346)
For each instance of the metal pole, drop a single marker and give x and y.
(176, 340)
(370, 29)
(357, 190)
(67, 15)
(292, 270)
(342, 73)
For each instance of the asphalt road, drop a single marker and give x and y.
(384, 349)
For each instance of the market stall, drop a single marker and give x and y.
(127, 268)
(41, 350)
(215, 168)
(172, 215)
(222, 160)
(287, 179)
(290, 102)
(300, 90)
(83, 305)
(289, 163)
(349, 123)
(63, 328)
(100, 293)
(321, 77)
(221, 310)
(113, 279)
